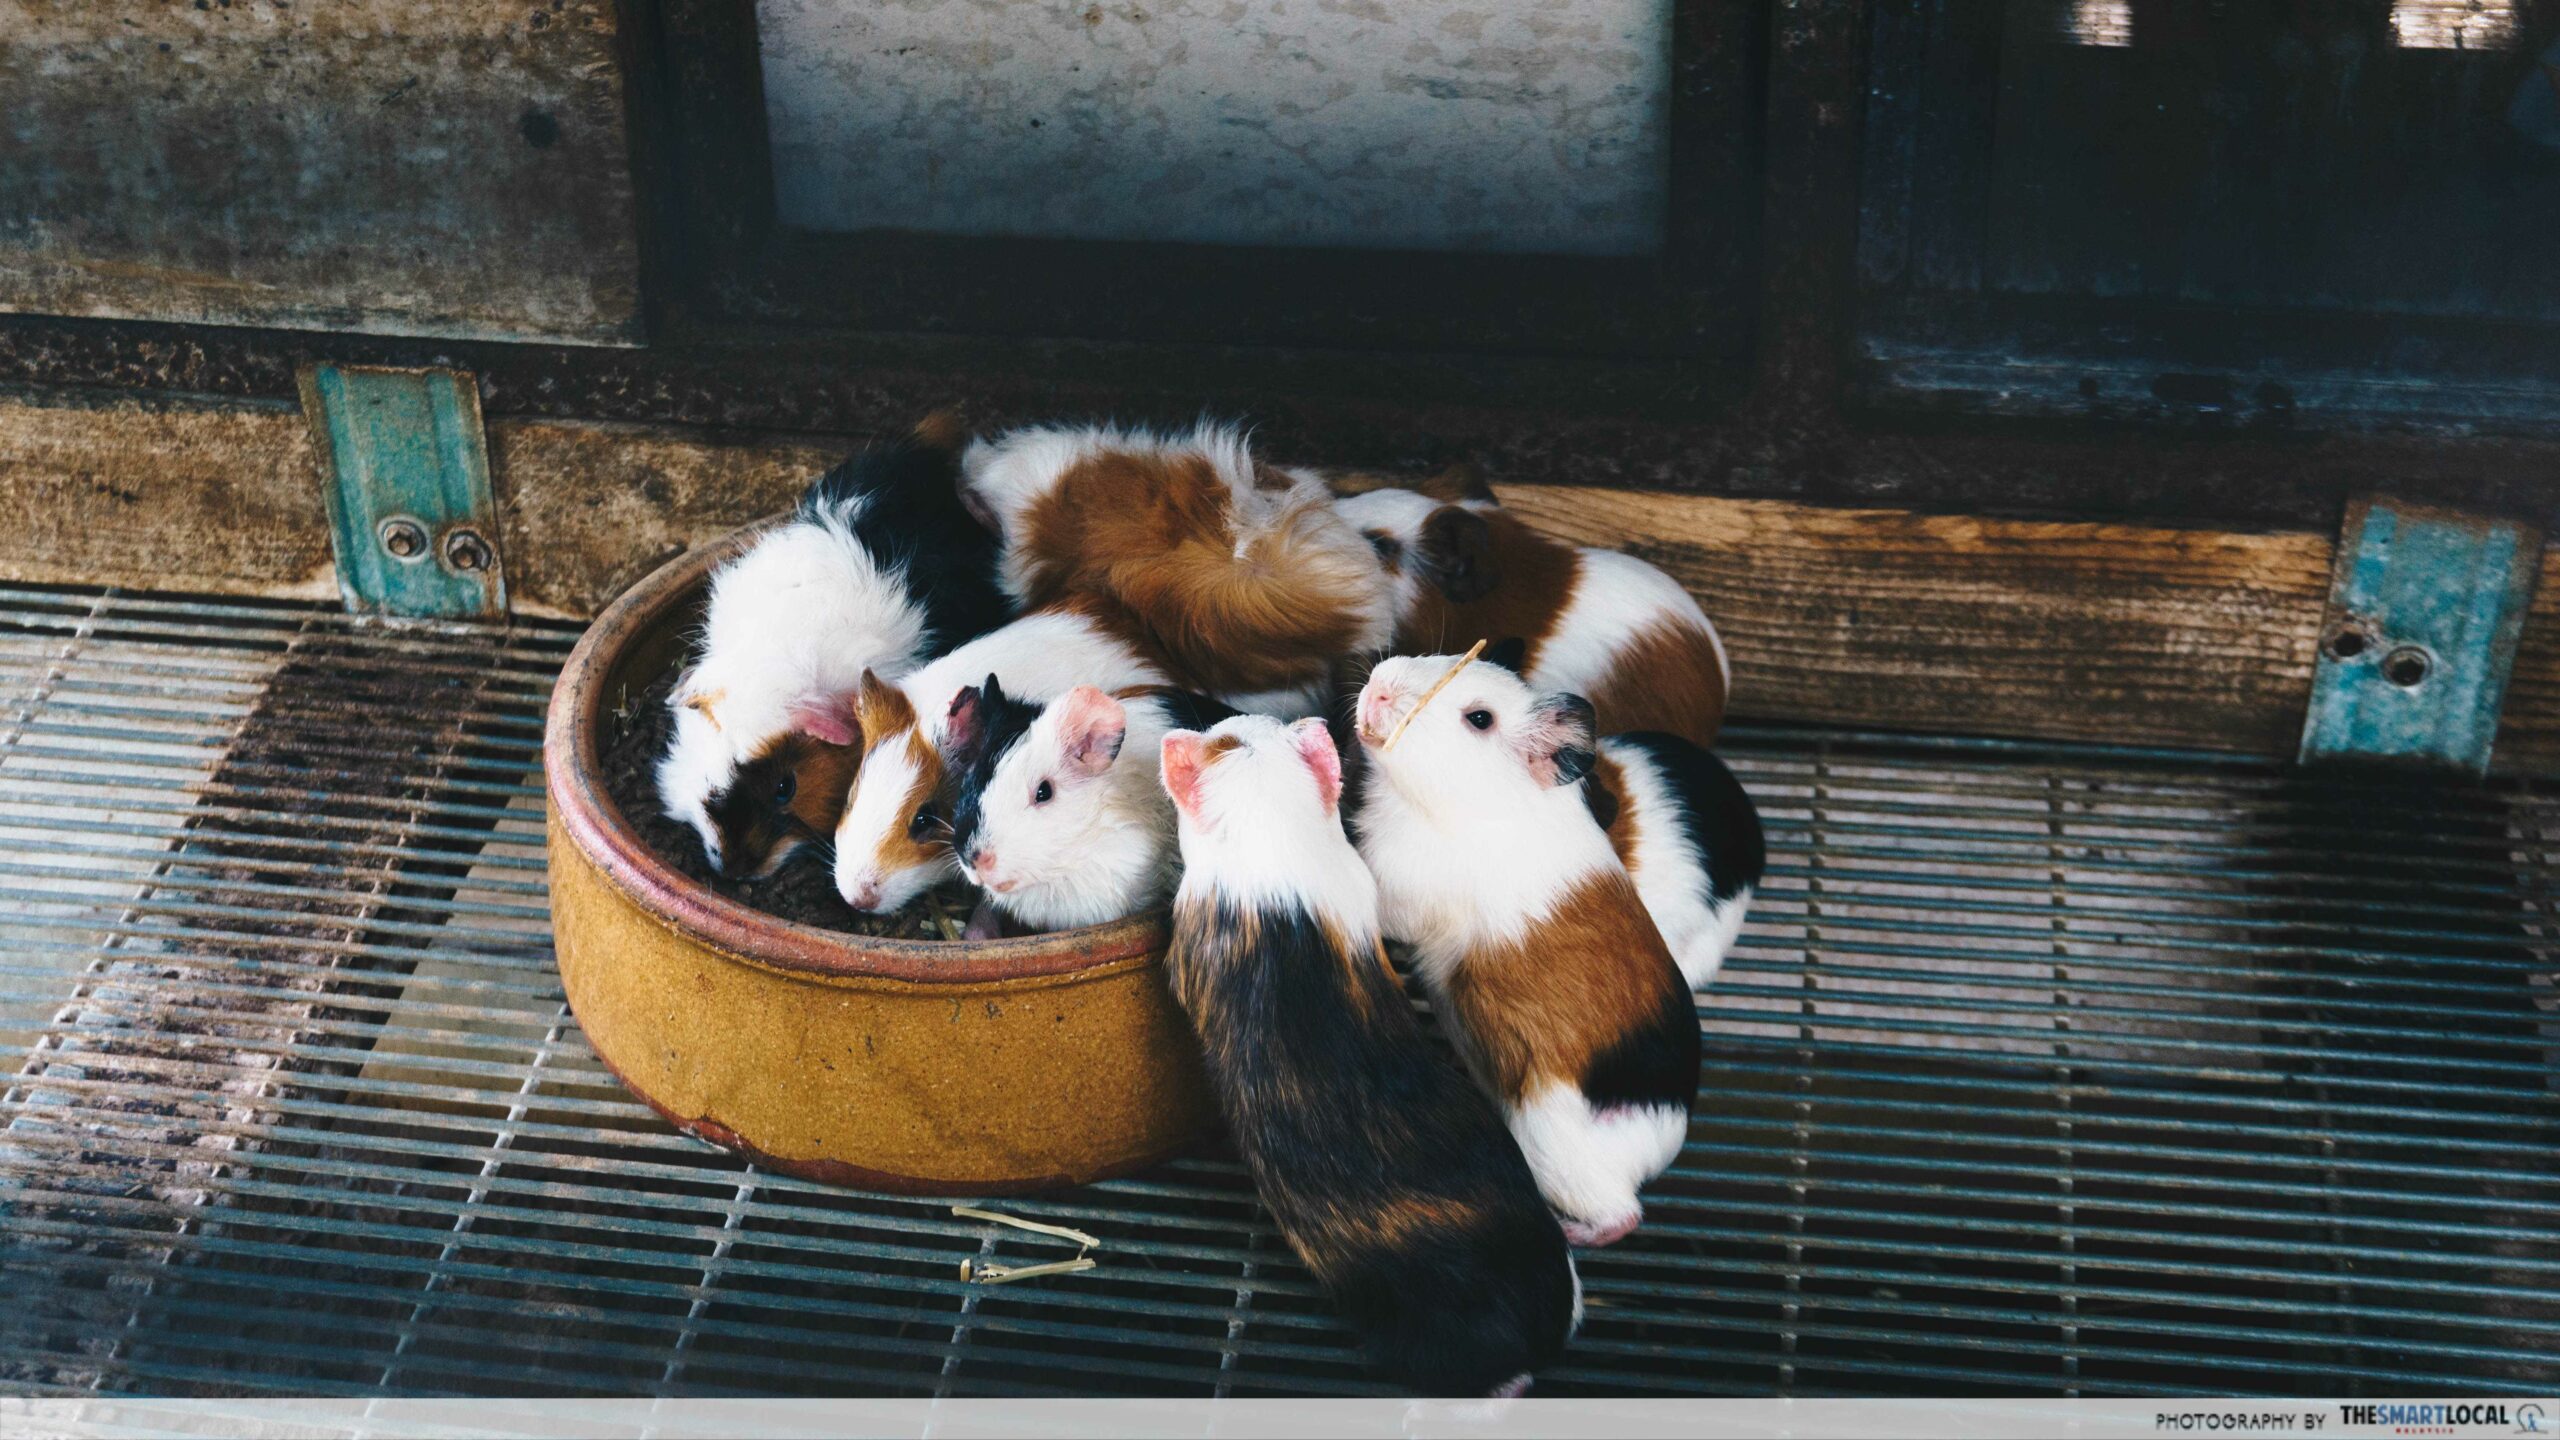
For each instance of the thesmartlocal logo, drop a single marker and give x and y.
(2436, 1417)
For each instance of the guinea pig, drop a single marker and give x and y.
(1237, 577)
(878, 567)
(1389, 1175)
(1689, 836)
(1529, 934)
(1058, 815)
(1591, 622)
(894, 840)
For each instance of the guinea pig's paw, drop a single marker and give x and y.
(1592, 1234)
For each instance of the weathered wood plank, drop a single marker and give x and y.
(1983, 626)
(1857, 617)
(406, 167)
(223, 499)
(2529, 729)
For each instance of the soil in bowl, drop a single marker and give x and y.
(804, 891)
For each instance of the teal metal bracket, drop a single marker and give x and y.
(2425, 608)
(406, 470)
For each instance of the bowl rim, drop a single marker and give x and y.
(573, 778)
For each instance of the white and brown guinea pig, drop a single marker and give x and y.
(1526, 928)
(1056, 812)
(1386, 1171)
(1592, 622)
(878, 568)
(894, 840)
(1237, 577)
(1687, 832)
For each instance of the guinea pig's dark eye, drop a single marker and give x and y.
(1043, 794)
(1481, 719)
(785, 788)
(924, 822)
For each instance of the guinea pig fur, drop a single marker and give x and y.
(1237, 577)
(1593, 622)
(1390, 1176)
(1058, 815)
(894, 841)
(879, 564)
(1531, 937)
(1689, 836)
(874, 570)
(1687, 832)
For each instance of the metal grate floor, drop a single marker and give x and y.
(2041, 1070)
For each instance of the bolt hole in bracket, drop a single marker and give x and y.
(2425, 608)
(406, 471)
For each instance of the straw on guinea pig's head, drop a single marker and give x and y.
(1251, 771)
(1483, 734)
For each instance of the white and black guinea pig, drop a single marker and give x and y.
(879, 567)
(1237, 577)
(1531, 937)
(1390, 1176)
(1686, 831)
(1591, 622)
(1058, 815)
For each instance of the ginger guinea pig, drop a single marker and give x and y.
(1526, 928)
(878, 566)
(1389, 1175)
(1592, 622)
(1236, 577)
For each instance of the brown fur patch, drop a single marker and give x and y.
(942, 430)
(822, 783)
(1218, 748)
(900, 849)
(1614, 807)
(1144, 545)
(1534, 580)
(703, 704)
(1666, 679)
(1540, 1010)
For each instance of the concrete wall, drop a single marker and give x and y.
(1498, 125)
(407, 167)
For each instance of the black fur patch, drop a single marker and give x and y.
(1655, 1064)
(1715, 810)
(1391, 1175)
(910, 518)
(1188, 711)
(1002, 721)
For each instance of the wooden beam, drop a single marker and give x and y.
(1867, 617)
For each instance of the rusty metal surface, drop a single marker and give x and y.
(400, 166)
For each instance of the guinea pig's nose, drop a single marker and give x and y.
(982, 859)
(865, 896)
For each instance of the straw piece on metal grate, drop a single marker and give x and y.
(977, 1274)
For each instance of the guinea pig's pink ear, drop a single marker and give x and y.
(1454, 551)
(1314, 745)
(1557, 740)
(962, 723)
(829, 718)
(975, 503)
(1091, 728)
(1180, 766)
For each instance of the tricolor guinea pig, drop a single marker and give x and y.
(878, 566)
(1531, 937)
(1686, 831)
(1389, 1175)
(1058, 815)
(1592, 622)
(894, 841)
(1237, 577)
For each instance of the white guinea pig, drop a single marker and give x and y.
(1059, 814)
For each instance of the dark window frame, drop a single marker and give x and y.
(1685, 315)
(1932, 337)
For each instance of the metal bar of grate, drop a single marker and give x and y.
(2040, 1070)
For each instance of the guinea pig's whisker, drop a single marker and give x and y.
(1436, 687)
